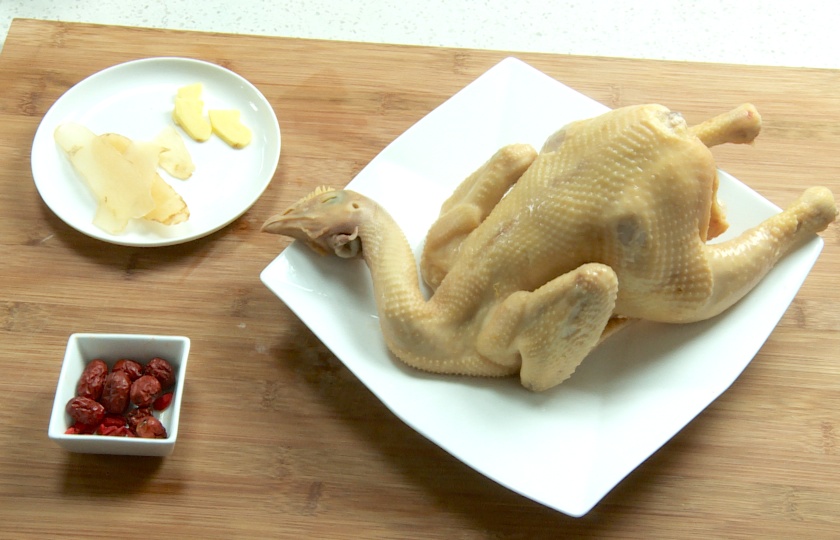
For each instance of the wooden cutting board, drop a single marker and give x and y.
(277, 438)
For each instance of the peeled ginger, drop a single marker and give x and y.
(225, 123)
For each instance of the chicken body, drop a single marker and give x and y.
(537, 256)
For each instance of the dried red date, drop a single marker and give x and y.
(79, 428)
(151, 428)
(162, 402)
(110, 412)
(145, 390)
(85, 410)
(114, 431)
(131, 368)
(161, 370)
(135, 416)
(115, 420)
(92, 380)
(116, 392)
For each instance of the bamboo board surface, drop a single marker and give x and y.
(277, 438)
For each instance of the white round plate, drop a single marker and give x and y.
(136, 99)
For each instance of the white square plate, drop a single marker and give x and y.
(570, 446)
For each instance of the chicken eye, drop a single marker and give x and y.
(331, 198)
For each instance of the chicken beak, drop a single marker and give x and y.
(297, 227)
(279, 224)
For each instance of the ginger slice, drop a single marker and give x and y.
(169, 207)
(122, 191)
(228, 126)
(189, 114)
(225, 123)
(175, 158)
(192, 91)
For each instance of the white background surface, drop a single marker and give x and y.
(803, 33)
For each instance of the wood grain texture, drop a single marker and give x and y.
(277, 438)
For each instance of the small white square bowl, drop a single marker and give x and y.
(81, 349)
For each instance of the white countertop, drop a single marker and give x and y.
(805, 33)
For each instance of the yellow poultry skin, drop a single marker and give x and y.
(537, 257)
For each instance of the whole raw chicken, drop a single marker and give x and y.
(536, 257)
